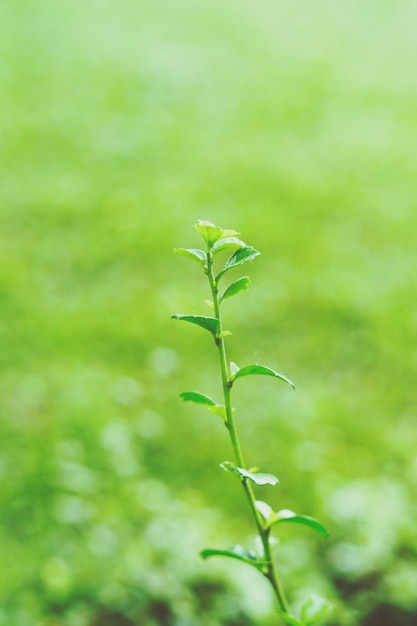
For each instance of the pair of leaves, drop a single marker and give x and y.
(254, 370)
(238, 553)
(198, 255)
(285, 515)
(242, 255)
(217, 239)
(259, 478)
(212, 233)
(312, 611)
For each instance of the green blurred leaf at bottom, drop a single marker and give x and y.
(290, 620)
(314, 609)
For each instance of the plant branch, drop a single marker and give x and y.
(270, 571)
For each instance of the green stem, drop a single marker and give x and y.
(270, 573)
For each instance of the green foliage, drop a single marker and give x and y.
(211, 233)
(259, 478)
(241, 256)
(237, 553)
(241, 284)
(262, 370)
(314, 609)
(198, 398)
(208, 323)
(193, 253)
(263, 515)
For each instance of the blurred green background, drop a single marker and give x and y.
(121, 125)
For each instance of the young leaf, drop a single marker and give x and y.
(198, 398)
(218, 409)
(209, 231)
(229, 242)
(290, 620)
(234, 368)
(192, 253)
(264, 509)
(243, 255)
(237, 552)
(212, 233)
(251, 370)
(239, 285)
(225, 333)
(289, 516)
(257, 478)
(208, 323)
(314, 609)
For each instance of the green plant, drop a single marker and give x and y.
(218, 240)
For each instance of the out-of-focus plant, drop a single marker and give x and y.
(265, 518)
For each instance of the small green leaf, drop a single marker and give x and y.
(192, 253)
(229, 242)
(198, 398)
(251, 370)
(208, 323)
(264, 509)
(289, 516)
(234, 368)
(209, 231)
(225, 333)
(237, 552)
(212, 233)
(243, 255)
(314, 609)
(218, 409)
(239, 285)
(257, 478)
(290, 620)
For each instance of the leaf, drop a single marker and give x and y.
(257, 478)
(212, 233)
(239, 285)
(208, 323)
(289, 516)
(233, 368)
(264, 509)
(290, 620)
(251, 370)
(192, 253)
(237, 552)
(218, 409)
(243, 255)
(314, 609)
(229, 242)
(198, 398)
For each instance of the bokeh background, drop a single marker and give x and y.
(121, 125)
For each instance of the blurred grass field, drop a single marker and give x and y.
(121, 125)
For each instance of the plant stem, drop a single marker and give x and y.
(270, 569)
